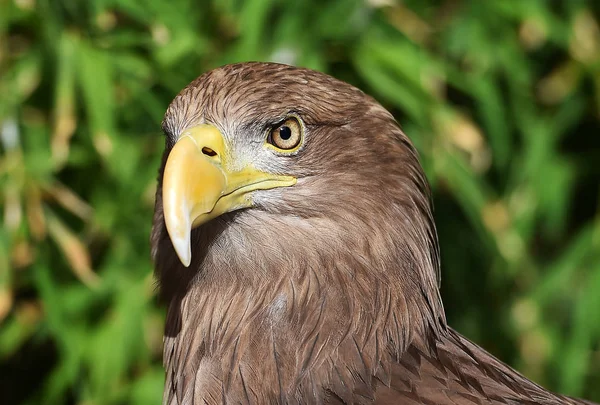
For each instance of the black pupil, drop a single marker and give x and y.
(285, 132)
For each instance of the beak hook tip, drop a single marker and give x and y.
(183, 248)
(186, 258)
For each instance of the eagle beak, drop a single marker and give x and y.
(199, 186)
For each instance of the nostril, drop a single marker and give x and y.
(208, 151)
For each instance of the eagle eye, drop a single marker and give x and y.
(286, 136)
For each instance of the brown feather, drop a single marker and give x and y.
(325, 292)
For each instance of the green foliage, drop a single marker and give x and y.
(502, 98)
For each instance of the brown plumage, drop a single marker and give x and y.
(325, 291)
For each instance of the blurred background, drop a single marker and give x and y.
(501, 97)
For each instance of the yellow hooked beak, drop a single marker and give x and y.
(198, 185)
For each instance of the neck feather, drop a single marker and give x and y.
(258, 301)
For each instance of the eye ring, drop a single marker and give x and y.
(286, 136)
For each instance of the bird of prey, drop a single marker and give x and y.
(294, 242)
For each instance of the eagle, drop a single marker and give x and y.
(294, 243)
